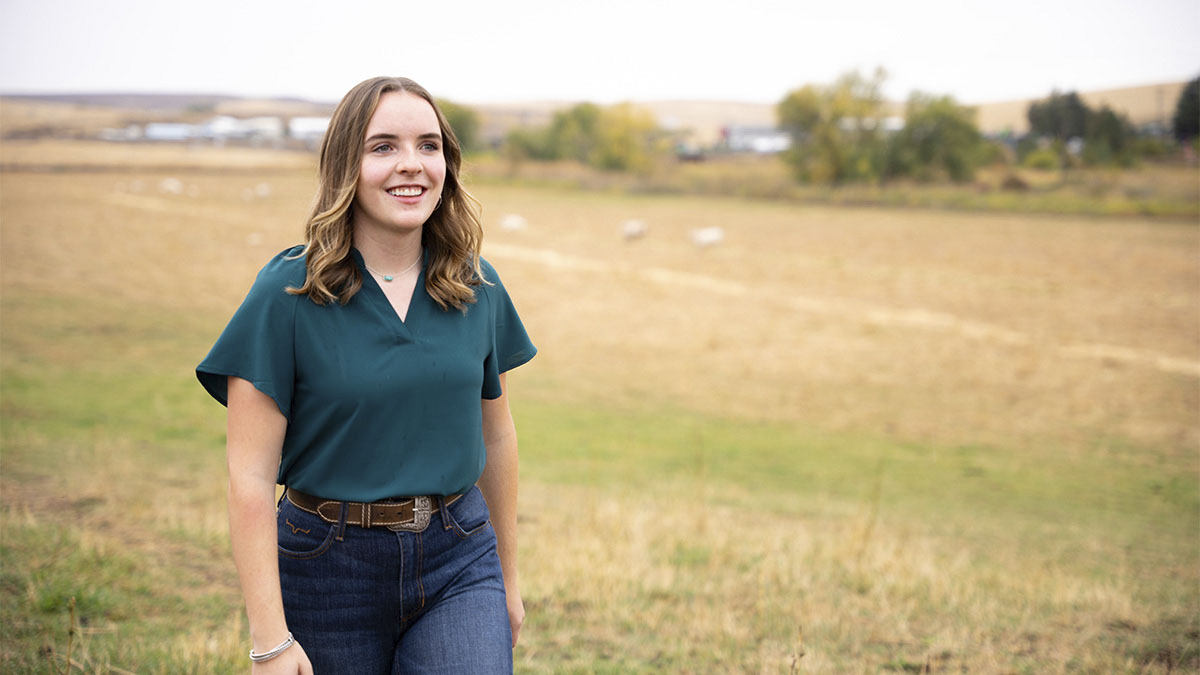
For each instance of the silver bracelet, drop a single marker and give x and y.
(267, 656)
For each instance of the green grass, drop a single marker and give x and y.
(128, 608)
(1092, 518)
(791, 468)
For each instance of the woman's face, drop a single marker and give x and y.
(403, 169)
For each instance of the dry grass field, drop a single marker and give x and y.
(844, 440)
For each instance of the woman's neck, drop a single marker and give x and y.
(390, 251)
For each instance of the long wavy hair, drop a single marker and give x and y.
(451, 237)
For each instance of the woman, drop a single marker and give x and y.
(365, 372)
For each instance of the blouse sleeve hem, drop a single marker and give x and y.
(215, 383)
(519, 360)
(491, 394)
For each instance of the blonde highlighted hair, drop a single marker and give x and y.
(451, 237)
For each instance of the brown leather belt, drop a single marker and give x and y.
(402, 515)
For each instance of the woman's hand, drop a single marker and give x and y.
(293, 661)
(516, 614)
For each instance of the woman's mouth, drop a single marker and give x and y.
(406, 191)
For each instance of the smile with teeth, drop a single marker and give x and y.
(406, 191)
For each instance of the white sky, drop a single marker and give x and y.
(603, 51)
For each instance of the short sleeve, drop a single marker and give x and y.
(258, 344)
(511, 346)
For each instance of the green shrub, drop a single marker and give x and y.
(1041, 158)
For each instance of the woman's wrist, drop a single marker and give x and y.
(267, 640)
(259, 657)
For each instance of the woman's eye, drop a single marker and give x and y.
(431, 146)
(382, 147)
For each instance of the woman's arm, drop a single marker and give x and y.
(254, 443)
(499, 487)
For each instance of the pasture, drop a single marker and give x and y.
(844, 440)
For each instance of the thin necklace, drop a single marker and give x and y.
(389, 277)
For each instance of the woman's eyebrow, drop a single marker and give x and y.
(393, 137)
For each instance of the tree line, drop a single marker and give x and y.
(620, 138)
(844, 132)
(840, 134)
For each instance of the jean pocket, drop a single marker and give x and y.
(469, 515)
(302, 535)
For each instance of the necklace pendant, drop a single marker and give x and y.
(388, 277)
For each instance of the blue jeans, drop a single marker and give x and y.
(373, 600)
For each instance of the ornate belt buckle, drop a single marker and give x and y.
(422, 509)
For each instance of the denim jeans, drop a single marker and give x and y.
(373, 600)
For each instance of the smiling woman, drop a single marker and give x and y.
(374, 112)
(377, 397)
(400, 182)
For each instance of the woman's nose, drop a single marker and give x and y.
(408, 162)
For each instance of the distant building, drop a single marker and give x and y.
(260, 130)
(169, 131)
(308, 129)
(133, 132)
(219, 127)
(761, 140)
(254, 130)
(218, 130)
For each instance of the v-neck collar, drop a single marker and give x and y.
(383, 306)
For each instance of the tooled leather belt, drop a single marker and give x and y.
(408, 514)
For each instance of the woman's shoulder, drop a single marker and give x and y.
(488, 270)
(492, 289)
(490, 279)
(288, 265)
(287, 269)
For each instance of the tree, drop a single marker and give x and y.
(465, 123)
(1187, 112)
(836, 131)
(628, 139)
(939, 138)
(1107, 136)
(1062, 116)
(525, 143)
(616, 138)
(574, 132)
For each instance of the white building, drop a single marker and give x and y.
(308, 128)
(169, 131)
(762, 140)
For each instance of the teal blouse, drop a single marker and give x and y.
(376, 407)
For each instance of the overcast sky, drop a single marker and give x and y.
(603, 51)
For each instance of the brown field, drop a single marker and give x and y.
(18, 116)
(843, 440)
